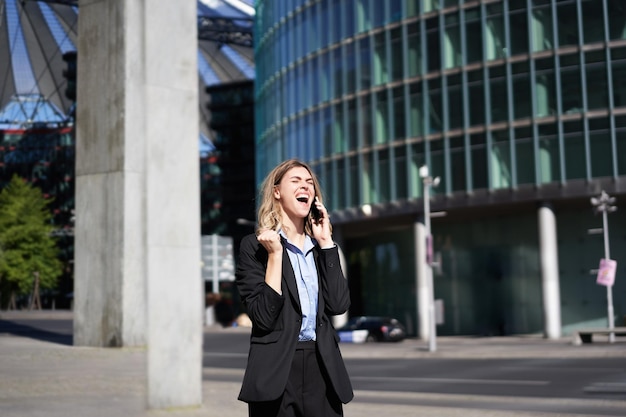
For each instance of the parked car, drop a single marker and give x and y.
(372, 329)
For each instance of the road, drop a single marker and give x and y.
(567, 385)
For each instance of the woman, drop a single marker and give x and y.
(290, 280)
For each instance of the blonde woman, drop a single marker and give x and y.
(291, 283)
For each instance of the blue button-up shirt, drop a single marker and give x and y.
(303, 264)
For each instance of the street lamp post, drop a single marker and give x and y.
(428, 183)
(604, 204)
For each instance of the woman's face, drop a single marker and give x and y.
(295, 192)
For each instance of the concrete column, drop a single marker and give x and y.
(175, 288)
(110, 258)
(549, 272)
(423, 290)
(137, 276)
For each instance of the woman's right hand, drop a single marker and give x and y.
(270, 240)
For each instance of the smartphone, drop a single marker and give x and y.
(315, 213)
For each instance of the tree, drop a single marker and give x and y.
(28, 252)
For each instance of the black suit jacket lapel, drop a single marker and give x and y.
(289, 278)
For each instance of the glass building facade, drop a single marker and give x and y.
(513, 104)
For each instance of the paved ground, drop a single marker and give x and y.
(39, 378)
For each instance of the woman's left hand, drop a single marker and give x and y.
(321, 227)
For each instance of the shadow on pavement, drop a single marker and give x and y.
(24, 330)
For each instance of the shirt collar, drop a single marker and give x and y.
(309, 243)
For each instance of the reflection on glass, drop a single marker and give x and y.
(501, 168)
(541, 27)
(381, 69)
(382, 117)
(495, 42)
(452, 41)
(415, 50)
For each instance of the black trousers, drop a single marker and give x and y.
(308, 393)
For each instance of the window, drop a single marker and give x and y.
(521, 90)
(352, 131)
(549, 164)
(350, 69)
(479, 161)
(476, 98)
(452, 41)
(593, 21)
(342, 197)
(384, 167)
(619, 82)
(338, 72)
(525, 156)
(382, 117)
(495, 42)
(567, 21)
(518, 23)
(399, 114)
(338, 131)
(365, 63)
(455, 102)
(617, 19)
(544, 88)
(571, 84)
(473, 36)
(381, 68)
(416, 110)
(435, 106)
(500, 157)
(397, 63)
(433, 44)
(399, 164)
(414, 49)
(600, 147)
(457, 163)
(355, 180)
(363, 15)
(542, 31)
(499, 96)
(597, 84)
(366, 120)
(417, 160)
(620, 136)
(574, 144)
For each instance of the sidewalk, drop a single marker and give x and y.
(40, 378)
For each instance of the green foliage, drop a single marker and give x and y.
(26, 244)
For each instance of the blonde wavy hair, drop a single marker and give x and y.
(269, 214)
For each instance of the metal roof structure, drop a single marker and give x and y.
(34, 35)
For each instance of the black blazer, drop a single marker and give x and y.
(276, 321)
